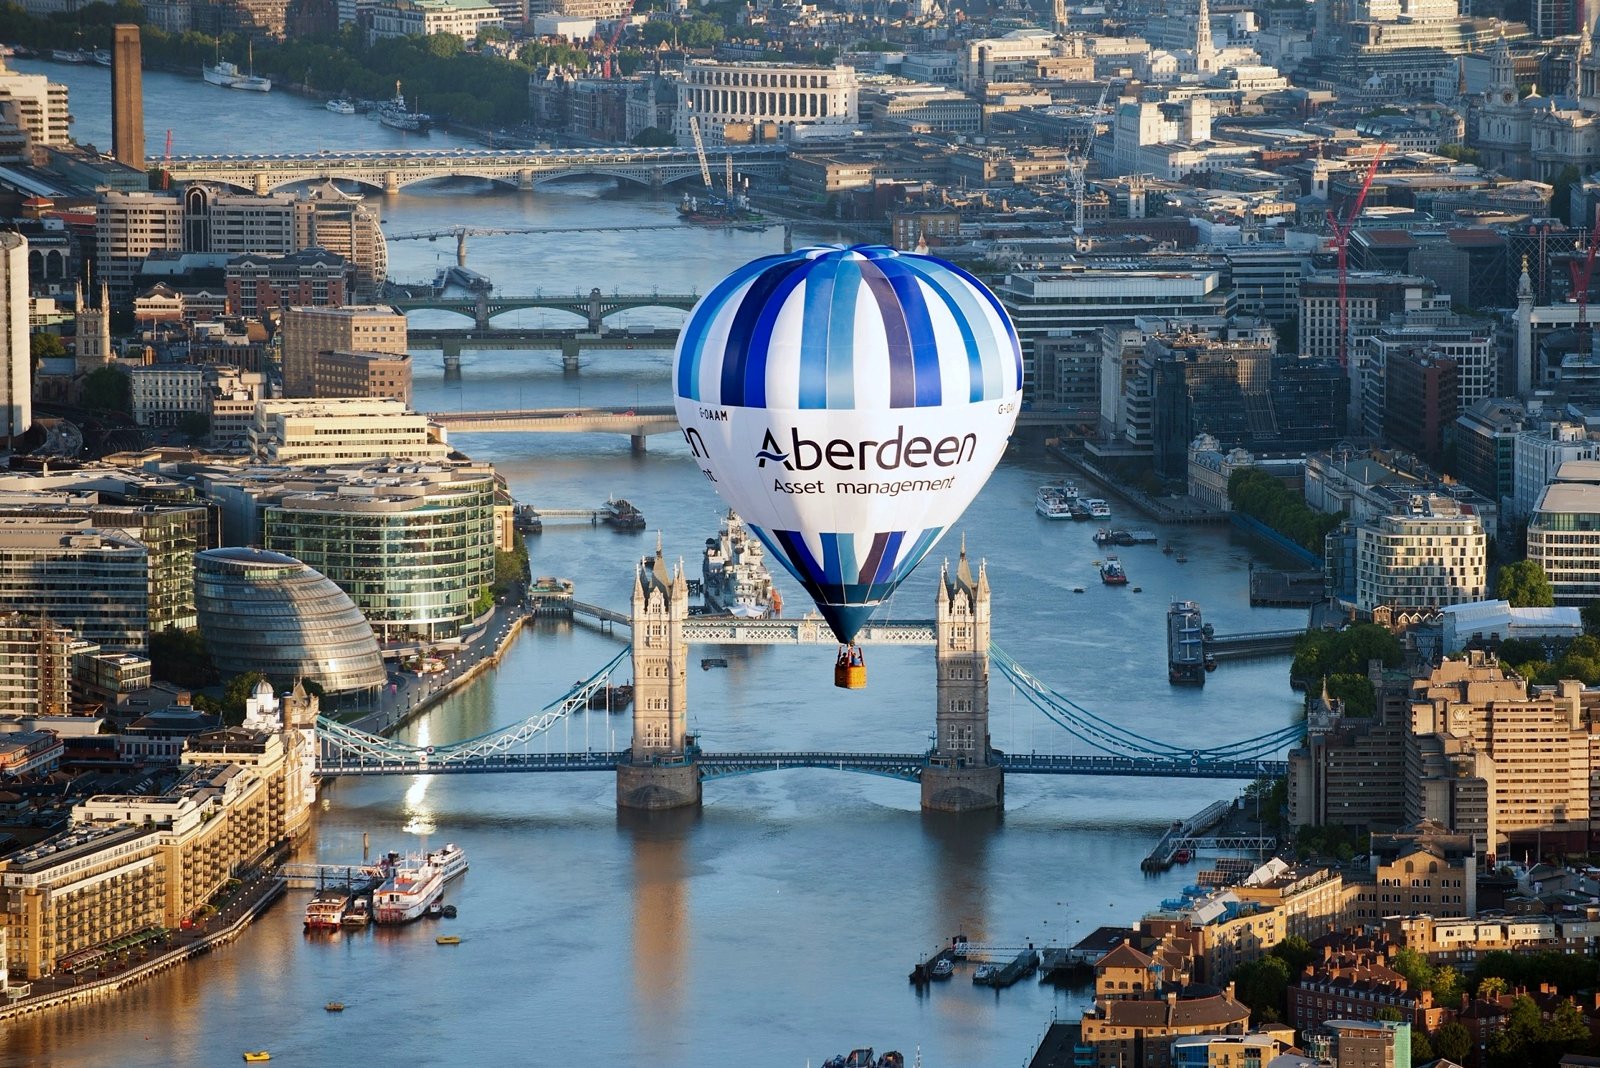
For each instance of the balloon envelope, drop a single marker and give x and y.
(849, 403)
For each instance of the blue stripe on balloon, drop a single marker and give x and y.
(919, 327)
(1015, 363)
(842, 334)
(983, 363)
(692, 344)
(874, 559)
(831, 564)
(804, 565)
(902, 365)
(744, 365)
(777, 551)
(814, 331)
(919, 549)
(891, 549)
(759, 352)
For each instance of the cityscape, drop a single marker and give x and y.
(483, 480)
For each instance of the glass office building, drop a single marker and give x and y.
(267, 612)
(414, 548)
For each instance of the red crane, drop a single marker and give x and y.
(1341, 249)
(611, 45)
(1581, 273)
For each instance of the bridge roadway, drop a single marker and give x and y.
(905, 766)
(390, 170)
(454, 342)
(637, 422)
(593, 307)
(1258, 643)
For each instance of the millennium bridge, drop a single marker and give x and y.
(391, 170)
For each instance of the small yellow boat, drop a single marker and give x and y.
(448, 940)
(334, 1006)
(256, 1056)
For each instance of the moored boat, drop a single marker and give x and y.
(405, 895)
(228, 75)
(358, 915)
(943, 968)
(1185, 645)
(1111, 572)
(451, 860)
(340, 106)
(620, 514)
(326, 911)
(734, 576)
(1053, 503)
(1098, 509)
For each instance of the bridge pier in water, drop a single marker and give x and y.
(452, 361)
(660, 772)
(963, 774)
(570, 348)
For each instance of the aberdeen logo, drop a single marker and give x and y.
(803, 454)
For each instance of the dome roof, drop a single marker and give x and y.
(268, 612)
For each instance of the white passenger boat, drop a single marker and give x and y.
(451, 861)
(411, 887)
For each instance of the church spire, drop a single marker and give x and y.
(1205, 55)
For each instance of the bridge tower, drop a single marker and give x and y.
(660, 772)
(962, 773)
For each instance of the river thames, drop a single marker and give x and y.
(776, 925)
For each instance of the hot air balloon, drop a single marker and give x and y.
(848, 403)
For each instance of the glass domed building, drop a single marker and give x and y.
(267, 612)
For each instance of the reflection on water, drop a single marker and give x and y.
(662, 974)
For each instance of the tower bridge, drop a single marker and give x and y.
(664, 766)
(391, 170)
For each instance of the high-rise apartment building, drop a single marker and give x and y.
(127, 97)
(339, 373)
(1420, 560)
(35, 666)
(307, 331)
(16, 362)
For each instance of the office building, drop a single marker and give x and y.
(1564, 536)
(1485, 436)
(307, 331)
(94, 583)
(1361, 1044)
(161, 394)
(305, 432)
(744, 102)
(423, 18)
(1350, 770)
(329, 218)
(383, 375)
(127, 96)
(1537, 456)
(260, 284)
(1420, 401)
(16, 361)
(1488, 758)
(413, 546)
(128, 227)
(267, 612)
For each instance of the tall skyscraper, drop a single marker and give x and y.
(16, 380)
(127, 97)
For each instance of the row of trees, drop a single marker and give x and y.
(1260, 496)
(181, 657)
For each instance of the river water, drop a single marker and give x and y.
(777, 924)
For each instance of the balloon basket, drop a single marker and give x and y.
(850, 670)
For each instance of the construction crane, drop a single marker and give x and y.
(1341, 250)
(1077, 168)
(700, 150)
(461, 233)
(611, 45)
(1581, 273)
(166, 162)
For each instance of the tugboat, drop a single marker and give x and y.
(1111, 572)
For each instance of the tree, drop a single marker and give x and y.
(654, 137)
(1263, 986)
(1296, 952)
(1446, 986)
(180, 657)
(1591, 618)
(43, 346)
(1525, 585)
(1415, 967)
(1490, 987)
(106, 389)
(445, 45)
(236, 693)
(1390, 1014)
(194, 426)
(1421, 1047)
(1453, 1042)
